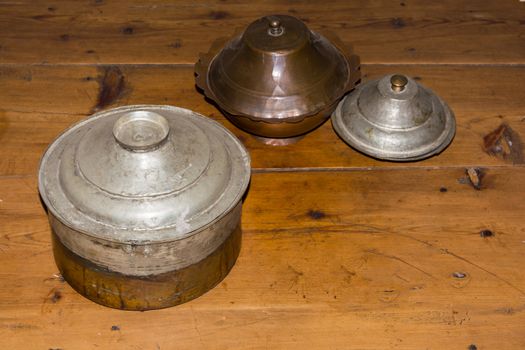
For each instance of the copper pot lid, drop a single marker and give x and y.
(143, 173)
(395, 118)
(277, 70)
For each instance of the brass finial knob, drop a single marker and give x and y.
(398, 82)
(276, 29)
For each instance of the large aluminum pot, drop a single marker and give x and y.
(144, 204)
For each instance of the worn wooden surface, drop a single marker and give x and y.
(402, 31)
(39, 102)
(340, 251)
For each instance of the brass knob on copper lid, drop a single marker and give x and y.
(398, 82)
(275, 27)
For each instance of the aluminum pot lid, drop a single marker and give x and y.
(143, 173)
(395, 118)
(277, 69)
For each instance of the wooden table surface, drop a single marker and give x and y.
(340, 251)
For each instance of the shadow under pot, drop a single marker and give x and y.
(277, 79)
(144, 204)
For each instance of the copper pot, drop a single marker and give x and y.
(277, 79)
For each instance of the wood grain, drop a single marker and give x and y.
(354, 260)
(340, 251)
(39, 102)
(403, 31)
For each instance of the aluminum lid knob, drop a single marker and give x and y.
(141, 130)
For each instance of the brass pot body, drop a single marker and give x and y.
(154, 291)
(277, 79)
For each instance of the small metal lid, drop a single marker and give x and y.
(143, 173)
(395, 118)
(276, 70)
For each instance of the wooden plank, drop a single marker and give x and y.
(404, 31)
(39, 102)
(353, 260)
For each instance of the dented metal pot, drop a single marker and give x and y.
(277, 79)
(395, 118)
(144, 204)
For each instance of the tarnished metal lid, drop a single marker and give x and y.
(143, 173)
(277, 69)
(395, 118)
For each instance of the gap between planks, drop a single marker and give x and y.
(190, 65)
(380, 168)
(338, 169)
